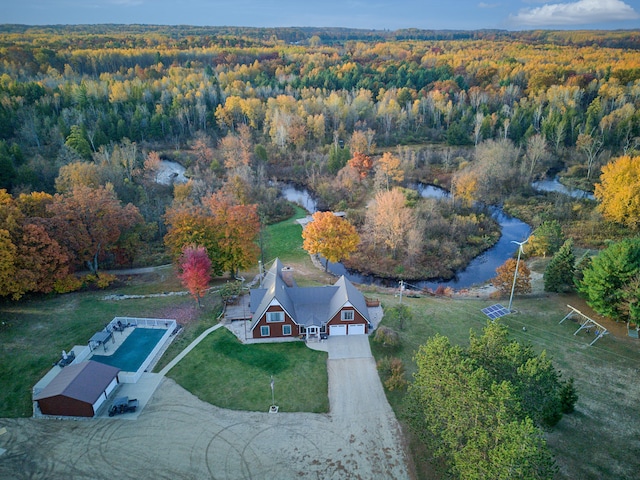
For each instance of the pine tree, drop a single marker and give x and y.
(558, 276)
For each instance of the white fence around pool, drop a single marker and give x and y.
(169, 324)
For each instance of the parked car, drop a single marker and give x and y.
(123, 405)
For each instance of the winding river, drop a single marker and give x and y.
(480, 270)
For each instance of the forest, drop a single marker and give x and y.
(88, 115)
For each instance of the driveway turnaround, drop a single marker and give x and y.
(179, 436)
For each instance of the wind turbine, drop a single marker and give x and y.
(515, 274)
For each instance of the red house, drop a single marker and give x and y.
(282, 309)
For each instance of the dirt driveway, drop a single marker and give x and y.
(179, 436)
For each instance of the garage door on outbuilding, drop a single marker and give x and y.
(78, 390)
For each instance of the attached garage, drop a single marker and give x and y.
(337, 330)
(78, 390)
(357, 329)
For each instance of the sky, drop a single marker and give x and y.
(375, 14)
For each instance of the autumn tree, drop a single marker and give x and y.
(389, 219)
(31, 260)
(390, 170)
(535, 157)
(7, 265)
(331, 236)
(195, 271)
(238, 227)
(503, 281)
(545, 240)
(88, 222)
(361, 163)
(228, 232)
(619, 191)
(464, 186)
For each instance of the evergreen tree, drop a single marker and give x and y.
(558, 276)
(605, 283)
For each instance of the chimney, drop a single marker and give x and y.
(287, 276)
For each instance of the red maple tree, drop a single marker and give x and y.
(195, 271)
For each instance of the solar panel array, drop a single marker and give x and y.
(495, 311)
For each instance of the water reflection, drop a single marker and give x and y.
(480, 270)
(554, 185)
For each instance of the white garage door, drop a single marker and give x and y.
(337, 330)
(357, 329)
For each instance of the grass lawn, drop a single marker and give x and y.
(600, 439)
(238, 376)
(284, 239)
(36, 331)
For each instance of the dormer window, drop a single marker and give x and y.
(275, 317)
(347, 315)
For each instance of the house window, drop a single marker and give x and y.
(273, 317)
(347, 315)
(286, 330)
(265, 331)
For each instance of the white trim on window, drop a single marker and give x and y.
(347, 315)
(275, 317)
(265, 331)
(286, 330)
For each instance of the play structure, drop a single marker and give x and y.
(587, 324)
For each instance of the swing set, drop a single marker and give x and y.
(587, 324)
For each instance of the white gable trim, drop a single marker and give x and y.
(274, 303)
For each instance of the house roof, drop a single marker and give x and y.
(84, 381)
(306, 305)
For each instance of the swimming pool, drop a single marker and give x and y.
(134, 350)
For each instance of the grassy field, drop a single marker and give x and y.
(238, 376)
(35, 331)
(601, 438)
(283, 239)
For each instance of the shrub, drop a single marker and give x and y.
(568, 396)
(387, 337)
(392, 372)
(70, 283)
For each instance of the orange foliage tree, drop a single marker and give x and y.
(330, 236)
(619, 191)
(362, 164)
(239, 227)
(503, 280)
(89, 221)
(228, 232)
(30, 259)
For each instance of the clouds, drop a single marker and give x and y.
(581, 12)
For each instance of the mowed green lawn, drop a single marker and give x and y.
(229, 374)
(598, 440)
(36, 331)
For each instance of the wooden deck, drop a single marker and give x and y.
(238, 310)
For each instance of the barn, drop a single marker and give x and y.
(78, 390)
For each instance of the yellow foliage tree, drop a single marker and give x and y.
(619, 191)
(330, 236)
(465, 186)
(389, 165)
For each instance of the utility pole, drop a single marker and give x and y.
(515, 274)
